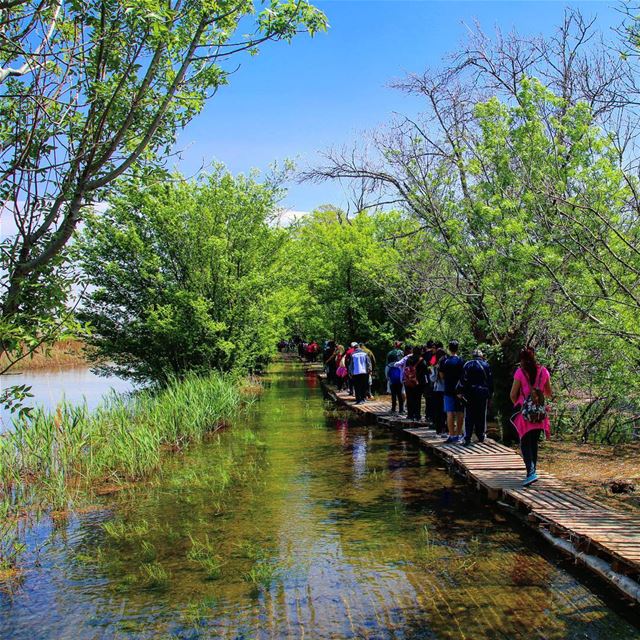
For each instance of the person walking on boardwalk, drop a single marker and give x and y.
(360, 369)
(476, 387)
(413, 378)
(347, 359)
(450, 372)
(531, 387)
(392, 357)
(328, 358)
(436, 409)
(340, 367)
(368, 351)
(394, 378)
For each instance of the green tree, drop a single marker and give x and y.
(89, 91)
(339, 275)
(181, 276)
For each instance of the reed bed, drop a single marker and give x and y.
(47, 457)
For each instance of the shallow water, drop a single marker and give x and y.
(331, 530)
(50, 387)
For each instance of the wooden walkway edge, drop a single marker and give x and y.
(605, 541)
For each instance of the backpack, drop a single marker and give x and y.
(395, 375)
(410, 376)
(533, 408)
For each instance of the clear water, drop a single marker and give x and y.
(50, 387)
(330, 530)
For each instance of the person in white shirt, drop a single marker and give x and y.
(360, 368)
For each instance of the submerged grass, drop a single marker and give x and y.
(47, 458)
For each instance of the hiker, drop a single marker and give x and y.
(312, 351)
(363, 346)
(425, 379)
(360, 370)
(394, 379)
(437, 412)
(531, 386)
(450, 372)
(476, 387)
(347, 360)
(329, 361)
(393, 356)
(340, 367)
(413, 378)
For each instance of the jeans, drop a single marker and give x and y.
(475, 418)
(529, 448)
(396, 396)
(360, 385)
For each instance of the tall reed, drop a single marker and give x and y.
(44, 455)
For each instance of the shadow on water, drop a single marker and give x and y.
(325, 528)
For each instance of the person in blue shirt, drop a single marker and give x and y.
(476, 386)
(450, 373)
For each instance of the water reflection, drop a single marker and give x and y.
(332, 530)
(51, 386)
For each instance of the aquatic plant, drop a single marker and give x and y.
(261, 573)
(121, 441)
(203, 553)
(154, 576)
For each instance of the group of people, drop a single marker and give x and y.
(456, 392)
(352, 368)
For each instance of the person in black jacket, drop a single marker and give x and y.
(476, 387)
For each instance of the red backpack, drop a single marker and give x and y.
(410, 377)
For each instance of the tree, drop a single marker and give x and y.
(90, 89)
(182, 276)
(484, 180)
(339, 274)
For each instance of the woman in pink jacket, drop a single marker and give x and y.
(531, 385)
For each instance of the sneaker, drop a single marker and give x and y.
(451, 440)
(530, 479)
(443, 435)
(467, 443)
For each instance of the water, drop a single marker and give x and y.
(331, 530)
(50, 387)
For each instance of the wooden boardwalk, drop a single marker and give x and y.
(604, 540)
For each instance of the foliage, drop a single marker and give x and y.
(89, 92)
(338, 276)
(181, 276)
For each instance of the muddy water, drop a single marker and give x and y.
(329, 529)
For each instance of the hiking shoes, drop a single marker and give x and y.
(530, 479)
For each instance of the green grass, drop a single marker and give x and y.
(49, 457)
(203, 553)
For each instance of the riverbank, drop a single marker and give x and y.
(607, 473)
(63, 354)
(54, 461)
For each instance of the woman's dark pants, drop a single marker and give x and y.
(529, 448)
(396, 396)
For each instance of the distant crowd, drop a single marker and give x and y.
(452, 394)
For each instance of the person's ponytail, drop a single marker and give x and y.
(529, 364)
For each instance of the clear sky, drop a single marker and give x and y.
(294, 100)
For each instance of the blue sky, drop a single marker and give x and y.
(294, 100)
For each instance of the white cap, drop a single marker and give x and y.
(354, 344)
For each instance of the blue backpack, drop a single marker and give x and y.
(395, 375)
